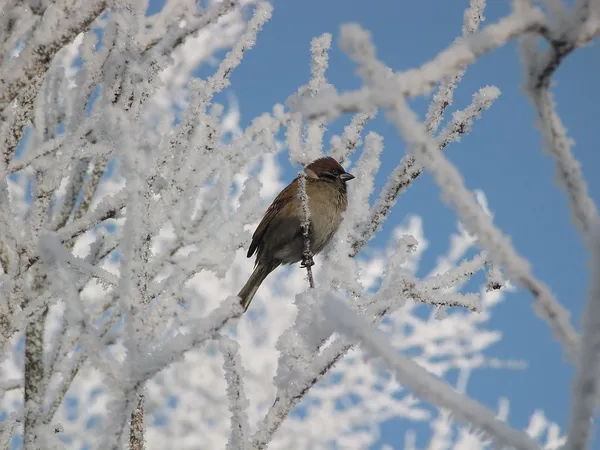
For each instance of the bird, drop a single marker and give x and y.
(279, 237)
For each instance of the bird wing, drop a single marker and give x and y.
(280, 202)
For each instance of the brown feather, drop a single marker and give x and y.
(275, 207)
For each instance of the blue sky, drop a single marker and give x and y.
(503, 156)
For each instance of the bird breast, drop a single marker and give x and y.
(326, 203)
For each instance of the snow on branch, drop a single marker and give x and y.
(457, 274)
(90, 339)
(287, 399)
(343, 146)
(238, 404)
(306, 146)
(397, 282)
(35, 59)
(220, 79)
(500, 249)
(174, 34)
(472, 18)
(567, 32)
(7, 428)
(21, 80)
(585, 389)
(583, 208)
(421, 382)
(199, 331)
(51, 246)
(409, 169)
(568, 169)
(416, 82)
(319, 49)
(462, 120)
(357, 44)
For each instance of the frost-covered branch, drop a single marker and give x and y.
(343, 146)
(457, 274)
(420, 81)
(563, 37)
(174, 34)
(287, 400)
(238, 404)
(52, 244)
(409, 169)
(220, 79)
(7, 428)
(34, 388)
(472, 18)
(308, 149)
(424, 384)
(37, 55)
(22, 79)
(307, 255)
(576, 28)
(136, 427)
(199, 332)
(356, 43)
(108, 208)
(568, 169)
(498, 245)
(585, 386)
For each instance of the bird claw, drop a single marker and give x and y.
(307, 261)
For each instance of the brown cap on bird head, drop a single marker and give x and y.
(327, 166)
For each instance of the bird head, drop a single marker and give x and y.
(327, 169)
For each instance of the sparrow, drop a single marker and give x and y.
(279, 237)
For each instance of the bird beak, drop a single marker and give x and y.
(346, 176)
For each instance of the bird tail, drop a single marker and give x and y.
(259, 274)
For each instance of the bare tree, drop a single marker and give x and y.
(125, 192)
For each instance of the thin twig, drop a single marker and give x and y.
(307, 256)
(136, 427)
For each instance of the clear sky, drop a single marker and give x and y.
(502, 156)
